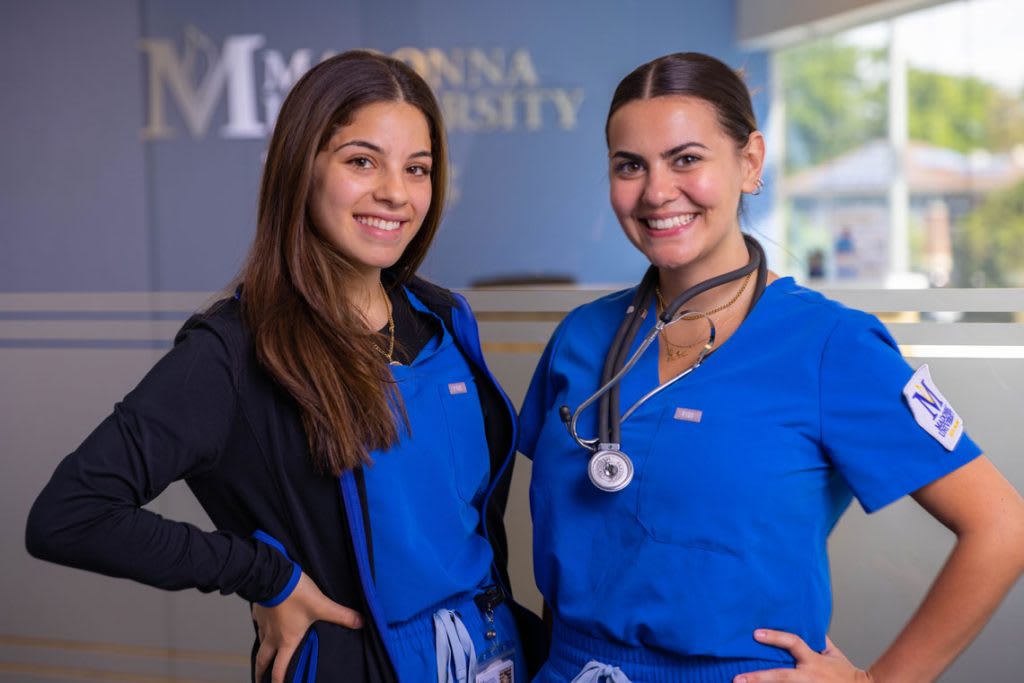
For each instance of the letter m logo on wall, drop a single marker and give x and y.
(229, 70)
(928, 399)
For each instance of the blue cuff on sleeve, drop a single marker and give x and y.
(293, 580)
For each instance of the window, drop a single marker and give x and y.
(902, 162)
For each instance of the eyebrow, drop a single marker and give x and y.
(378, 149)
(664, 155)
(629, 156)
(679, 148)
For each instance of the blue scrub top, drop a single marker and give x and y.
(424, 494)
(742, 470)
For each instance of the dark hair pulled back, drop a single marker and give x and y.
(695, 75)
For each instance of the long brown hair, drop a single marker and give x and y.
(294, 281)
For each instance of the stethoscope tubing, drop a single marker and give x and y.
(611, 383)
(665, 385)
(609, 421)
(610, 406)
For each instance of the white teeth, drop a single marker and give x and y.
(673, 222)
(379, 223)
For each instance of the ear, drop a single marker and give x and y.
(752, 160)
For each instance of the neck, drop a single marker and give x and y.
(728, 256)
(367, 296)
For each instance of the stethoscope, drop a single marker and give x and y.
(610, 469)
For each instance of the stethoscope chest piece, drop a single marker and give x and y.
(610, 470)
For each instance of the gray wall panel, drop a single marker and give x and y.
(73, 195)
(882, 563)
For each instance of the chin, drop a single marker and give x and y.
(382, 260)
(674, 261)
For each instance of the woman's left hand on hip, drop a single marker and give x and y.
(829, 666)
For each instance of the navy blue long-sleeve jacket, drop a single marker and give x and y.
(210, 414)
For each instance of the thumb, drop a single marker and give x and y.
(832, 650)
(332, 612)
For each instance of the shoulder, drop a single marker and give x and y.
(790, 298)
(844, 340)
(588, 329)
(602, 314)
(222, 319)
(438, 299)
(432, 295)
(220, 330)
(808, 312)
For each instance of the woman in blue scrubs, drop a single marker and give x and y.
(334, 417)
(711, 563)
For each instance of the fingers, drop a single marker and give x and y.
(281, 628)
(771, 676)
(787, 641)
(281, 660)
(264, 657)
(831, 665)
(274, 656)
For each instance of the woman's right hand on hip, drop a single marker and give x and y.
(281, 628)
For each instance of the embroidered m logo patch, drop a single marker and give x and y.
(931, 409)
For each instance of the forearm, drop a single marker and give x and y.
(979, 572)
(86, 528)
(90, 515)
(175, 424)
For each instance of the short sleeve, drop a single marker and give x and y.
(868, 429)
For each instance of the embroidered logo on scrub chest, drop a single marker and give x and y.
(688, 414)
(457, 388)
(931, 409)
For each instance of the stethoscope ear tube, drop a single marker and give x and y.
(756, 258)
(762, 272)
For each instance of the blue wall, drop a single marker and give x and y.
(114, 180)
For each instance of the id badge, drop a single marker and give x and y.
(497, 666)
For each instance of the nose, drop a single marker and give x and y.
(660, 187)
(391, 189)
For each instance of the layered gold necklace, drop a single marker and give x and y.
(389, 354)
(676, 351)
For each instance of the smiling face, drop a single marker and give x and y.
(676, 180)
(371, 184)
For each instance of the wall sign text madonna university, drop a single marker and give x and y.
(481, 90)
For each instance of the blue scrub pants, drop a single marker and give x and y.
(412, 642)
(572, 651)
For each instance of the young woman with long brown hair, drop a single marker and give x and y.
(334, 418)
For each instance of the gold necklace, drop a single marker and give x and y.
(674, 351)
(391, 331)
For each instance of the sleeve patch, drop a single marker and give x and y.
(931, 409)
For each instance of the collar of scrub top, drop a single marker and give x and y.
(616, 365)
